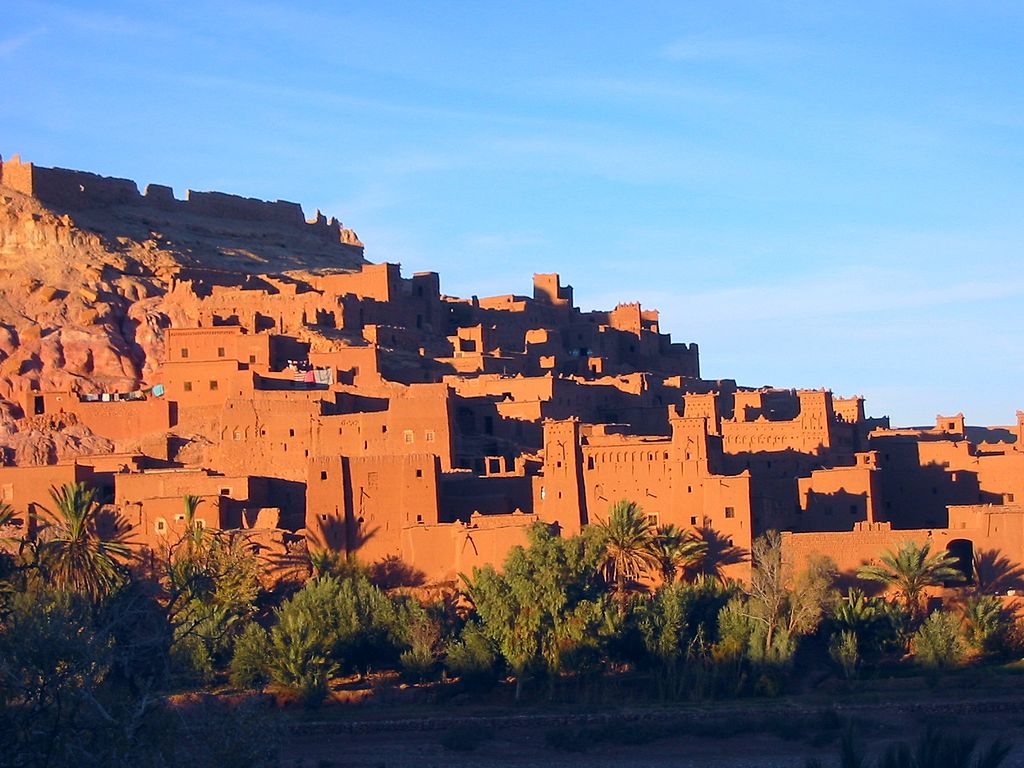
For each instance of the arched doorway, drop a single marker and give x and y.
(963, 551)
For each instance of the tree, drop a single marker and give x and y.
(73, 555)
(52, 664)
(7, 563)
(986, 623)
(676, 551)
(628, 542)
(910, 570)
(780, 601)
(547, 603)
(7, 520)
(875, 623)
(194, 530)
(678, 626)
(212, 583)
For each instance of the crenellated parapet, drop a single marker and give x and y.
(80, 190)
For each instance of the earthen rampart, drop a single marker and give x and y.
(79, 190)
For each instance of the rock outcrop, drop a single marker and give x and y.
(88, 271)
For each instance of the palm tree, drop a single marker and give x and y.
(74, 556)
(7, 544)
(193, 530)
(676, 550)
(628, 540)
(912, 568)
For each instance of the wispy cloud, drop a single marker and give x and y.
(731, 50)
(11, 45)
(631, 88)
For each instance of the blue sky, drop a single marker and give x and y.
(819, 194)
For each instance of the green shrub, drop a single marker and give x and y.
(987, 625)
(472, 659)
(299, 657)
(249, 663)
(844, 652)
(938, 644)
(191, 660)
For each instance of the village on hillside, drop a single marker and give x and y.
(352, 409)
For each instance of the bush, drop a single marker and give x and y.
(987, 625)
(299, 660)
(191, 660)
(472, 659)
(843, 651)
(422, 633)
(938, 644)
(249, 663)
(51, 659)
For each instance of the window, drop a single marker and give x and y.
(730, 512)
(408, 436)
(225, 491)
(184, 353)
(220, 351)
(429, 435)
(383, 428)
(323, 474)
(187, 386)
(214, 386)
(161, 525)
(237, 435)
(419, 473)
(291, 433)
(693, 520)
(252, 359)
(179, 518)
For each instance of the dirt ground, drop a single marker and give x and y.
(525, 741)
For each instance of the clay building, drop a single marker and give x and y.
(303, 393)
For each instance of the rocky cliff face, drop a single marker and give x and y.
(85, 296)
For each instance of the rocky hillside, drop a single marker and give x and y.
(85, 294)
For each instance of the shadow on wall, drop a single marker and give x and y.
(290, 497)
(834, 511)
(720, 554)
(996, 573)
(328, 535)
(392, 572)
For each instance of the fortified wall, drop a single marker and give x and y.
(72, 190)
